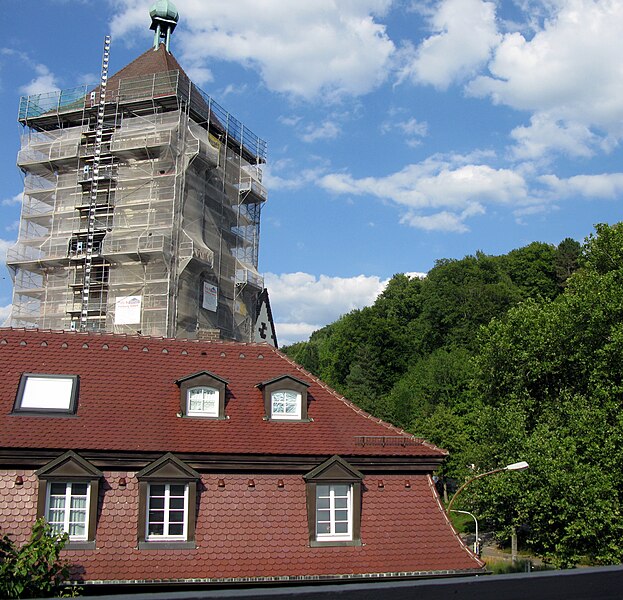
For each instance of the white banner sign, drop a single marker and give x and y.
(128, 310)
(210, 296)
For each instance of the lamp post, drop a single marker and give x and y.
(476, 541)
(518, 466)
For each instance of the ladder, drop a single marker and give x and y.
(99, 130)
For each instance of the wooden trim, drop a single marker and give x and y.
(207, 462)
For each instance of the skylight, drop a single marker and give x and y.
(47, 393)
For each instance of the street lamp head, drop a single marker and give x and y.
(518, 466)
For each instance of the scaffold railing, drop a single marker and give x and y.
(170, 83)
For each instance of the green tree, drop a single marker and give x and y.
(458, 297)
(34, 570)
(549, 380)
(533, 270)
(567, 259)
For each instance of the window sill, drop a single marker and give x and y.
(79, 545)
(281, 420)
(166, 545)
(206, 417)
(320, 544)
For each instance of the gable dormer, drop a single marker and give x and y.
(68, 497)
(167, 504)
(334, 503)
(202, 395)
(285, 398)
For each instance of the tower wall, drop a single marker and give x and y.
(175, 233)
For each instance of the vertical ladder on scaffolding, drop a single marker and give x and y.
(99, 130)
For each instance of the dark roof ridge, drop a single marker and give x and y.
(358, 410)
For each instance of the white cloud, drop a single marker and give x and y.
(302, 303)
(412, 129)
(604, 186)
(329, 47)
(546, 134)
(328, 130)
(567, 74)
(285, 174)
(13, 201)
(465, 33)
(4, 246)
(45, 81)
(460, 190)
(5, 313)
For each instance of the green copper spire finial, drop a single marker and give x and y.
(164, 18)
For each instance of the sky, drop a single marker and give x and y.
(400, 132)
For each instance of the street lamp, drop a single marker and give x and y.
(476, 541)
(518, 466)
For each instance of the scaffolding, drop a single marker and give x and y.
(140, 214)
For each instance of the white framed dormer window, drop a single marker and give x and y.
(67, 508)
(285, 404)
(167, 504)
(334, 512)
(68, 498)
(202, 401)
(334, 504)
(167, 512)
(52, 394)
(203, 394)
(285, 399)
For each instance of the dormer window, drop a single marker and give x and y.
(47, 394)
(68, 497)
(202, 402)
(202, 395)
(285, 398)
(334, 504)
(285, 404)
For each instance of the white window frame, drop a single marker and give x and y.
(64, 527)
(203, 413)
(151, 537)
(296, 415)
(333, 536)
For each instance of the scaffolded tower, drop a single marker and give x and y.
(141, 207)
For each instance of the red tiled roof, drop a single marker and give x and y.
(150, 62)
(129, 401)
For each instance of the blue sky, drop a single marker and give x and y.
(399, 132)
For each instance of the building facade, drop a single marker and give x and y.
(175, 461)
(141, 206)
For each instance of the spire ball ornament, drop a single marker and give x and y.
(164, 18)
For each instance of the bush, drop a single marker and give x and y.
(34, 570)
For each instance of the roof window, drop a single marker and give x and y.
(48, 394)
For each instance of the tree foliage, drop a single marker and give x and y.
(34, 570)
(500, 359)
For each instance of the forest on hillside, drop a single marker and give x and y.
(500, 359)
